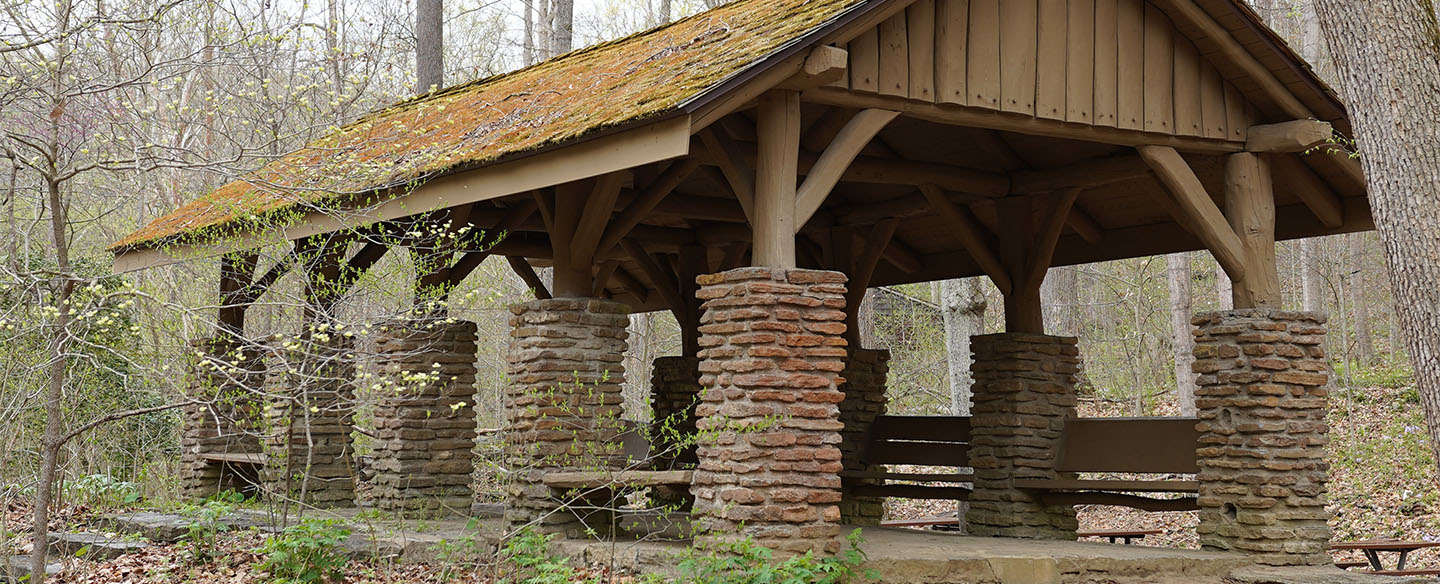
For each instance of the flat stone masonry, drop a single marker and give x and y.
(562, 406)
(308, 453)
(425, 417)
(675, 391)
(1024, 390)
(1262, 402)
(771, 350)
(227, 380)
(864, 389)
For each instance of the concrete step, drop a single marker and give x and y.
(170, 527)
(94, 546)
(16, 569)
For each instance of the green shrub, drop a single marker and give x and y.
(526, 559)
(745, 562)
(100, 490)
(305, 553)
(205, 522)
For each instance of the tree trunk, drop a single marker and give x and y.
(1224, 290)
(1364, 342)
(664, 15)
(865, 319)
(1386, 58)
(1177, 270)
(1311, 297)
(1058, 299)
(962, 307)
(429, 45)
(527, 40)
(562, 20)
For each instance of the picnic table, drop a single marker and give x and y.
(1114, 534)
(1372, 548)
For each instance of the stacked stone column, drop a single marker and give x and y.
(865, 400)
(425, 417)
(226, 379)
(771, 350)
(1023, 392)
(562, 407)
(308, 452)
(1262, 402)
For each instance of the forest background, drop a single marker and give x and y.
(115, 113)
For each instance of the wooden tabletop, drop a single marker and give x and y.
(1383, 544)
(1116, 532)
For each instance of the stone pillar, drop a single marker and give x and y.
(675, 391)
(1262, 403)
(227, 379)
(864, 389)
(308, 454)
(1024, 390)
(425, 417)
(563, 405)
(771, 353)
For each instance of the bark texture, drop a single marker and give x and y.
(429, 45)
(1388, 65)
(1177, 270)
(962, 305)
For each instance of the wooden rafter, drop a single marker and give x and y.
(645, 202)
(595, 216)
(836, 158)
(1048, 236)
(726, 154)
(972, 235)
(664, 281)
(527, 273)
(1292, 136)
(1197, 210)
(1313, 192)
(467, 263)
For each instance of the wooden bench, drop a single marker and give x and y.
(1123, 445)
(637, 451)
(915, 440)
(1113, 534)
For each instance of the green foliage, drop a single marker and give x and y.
(745, 562)
(100, 490)
(526, 559)
(204, 524)
(1391, 375)
(308, 552)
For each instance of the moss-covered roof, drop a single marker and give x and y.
(646, 75)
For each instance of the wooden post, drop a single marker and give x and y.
(236, 272)
(1250, 208)
(777, 160)
(1023, 312)
(693, 262)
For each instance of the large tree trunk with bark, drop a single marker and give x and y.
(1177, 271)
(1312, 299)
(562, 21)
(1058, 300)
(1388, 64)
(962, 306)
(429, 45)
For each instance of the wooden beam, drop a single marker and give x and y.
(259, 286)
(237, 272)
(1047, 236)
(595, 217)
(664, 282)
(1023, 311)
(778, 151)
(1084, 225)
(1090, 173)
(1198, 211)
(971, 233)
(956, 115)
(603, 273)
(894, 171)
(1189, 17)
(734, 255)
(728, 155)
(1315, 193)
(1292, 136)
(471, 260)
(831, 165)
(902, 256)
(1250, 207)
(646, 201)
(632, 284)
(522, 268)
(824, 65)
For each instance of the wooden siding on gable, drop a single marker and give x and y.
(1116, 63)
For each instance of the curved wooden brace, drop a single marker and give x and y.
(837, 157)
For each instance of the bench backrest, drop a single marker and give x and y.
(1154, 445)
(923, 440)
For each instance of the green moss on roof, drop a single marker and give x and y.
(641, 76)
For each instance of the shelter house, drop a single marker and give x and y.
(754, 169)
